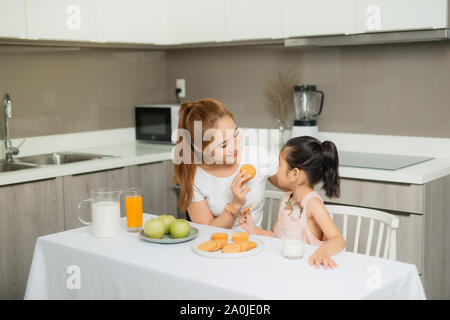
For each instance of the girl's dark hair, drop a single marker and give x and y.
(320, 162)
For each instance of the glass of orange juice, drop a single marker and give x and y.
(133, 205)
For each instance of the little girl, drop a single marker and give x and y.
(303, 162)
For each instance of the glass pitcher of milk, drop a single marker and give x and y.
(105, 212)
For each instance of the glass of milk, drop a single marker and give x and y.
(105, 212)
(292, 243)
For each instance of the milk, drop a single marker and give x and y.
(105, 219)
(292, 248)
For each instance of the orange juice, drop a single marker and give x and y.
(133, 206)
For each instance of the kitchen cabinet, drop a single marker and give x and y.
(194, 21)
(152, 179)
(390, 196)
(394, 15)
(78, 187)
(436, 239)
(173, 192)
(321, 17)
(28, 210)
(32, 209)
(12, 19)
(172, 22)
(422, 237)
(71, 20)
(254, 19)
(131, 21)
(406, 201)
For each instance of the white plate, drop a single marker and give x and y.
(167, 239)
(219, 255)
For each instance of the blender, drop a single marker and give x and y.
(308, 102)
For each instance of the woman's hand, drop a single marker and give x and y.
(239, 189)
(246, 221)
(320, 257)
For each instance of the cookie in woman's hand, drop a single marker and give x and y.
(249, 169)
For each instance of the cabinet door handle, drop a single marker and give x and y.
(144, 164)
(97, 171)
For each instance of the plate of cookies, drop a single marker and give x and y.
(219, 246)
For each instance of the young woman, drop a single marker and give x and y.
(213, 190)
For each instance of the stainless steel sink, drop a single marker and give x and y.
(7, 166)
(59, 158)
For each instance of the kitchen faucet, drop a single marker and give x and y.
(10, 151)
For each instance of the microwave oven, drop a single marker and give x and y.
(156, 123)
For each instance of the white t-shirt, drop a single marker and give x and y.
(217, 192)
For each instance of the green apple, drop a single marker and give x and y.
(179, 228)
(154, 228)
(167, 219)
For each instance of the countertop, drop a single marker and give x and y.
(128, 152)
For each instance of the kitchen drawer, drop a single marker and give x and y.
(379, 195)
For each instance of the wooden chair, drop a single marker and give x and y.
(384, 219)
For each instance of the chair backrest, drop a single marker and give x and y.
(385, 219)
(272, 196)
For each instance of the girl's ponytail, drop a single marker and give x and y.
(331, 179)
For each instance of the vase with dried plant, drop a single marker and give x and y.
(279, 95)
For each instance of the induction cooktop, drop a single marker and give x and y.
(378, 160)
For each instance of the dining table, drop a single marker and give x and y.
(75, 265)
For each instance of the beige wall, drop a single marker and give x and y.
(63, 90)
(384, 89)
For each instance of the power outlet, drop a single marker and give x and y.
(181, 84)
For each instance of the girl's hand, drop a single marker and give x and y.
(319, 257)
(246, 221)
(239, 189)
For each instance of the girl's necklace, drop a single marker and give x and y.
(296, 206)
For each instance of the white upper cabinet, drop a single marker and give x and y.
(171, 22)
(254, 19)
(129, 21)
(12, 19)
(392, 15)
(191, 21)
(319, 17)
(61, 19)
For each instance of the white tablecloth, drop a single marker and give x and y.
(74, 265)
